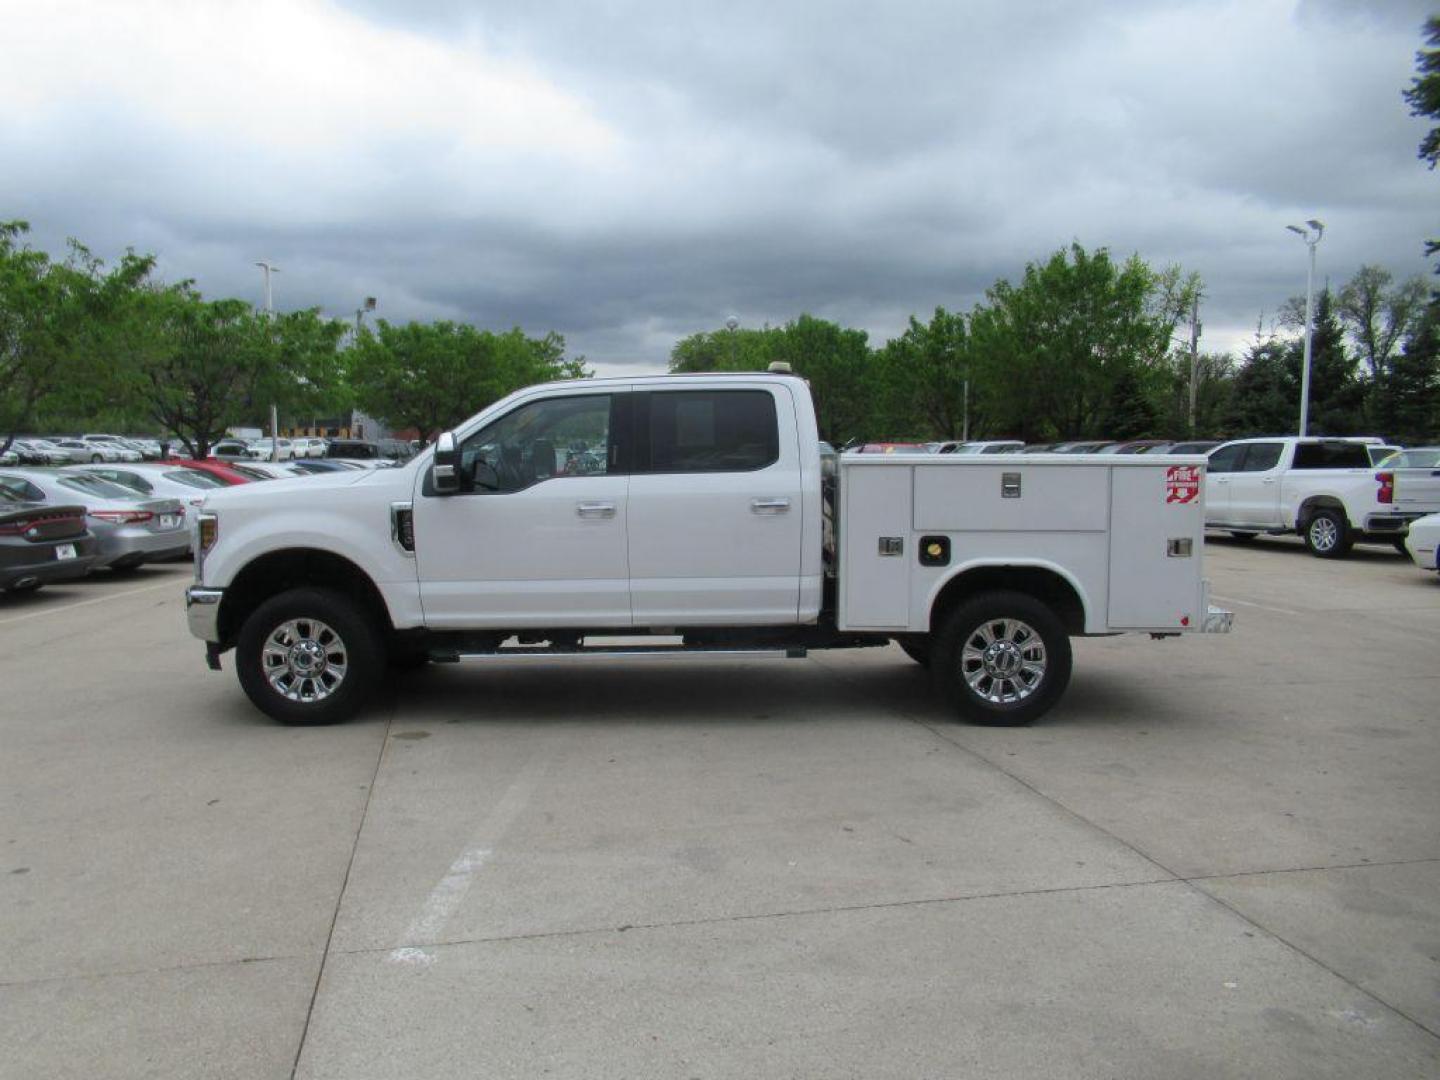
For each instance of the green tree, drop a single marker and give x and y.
(1266, 398)
(919, 380)
(430, 376)
(1413, 390)
(56, 321)
(1423, 97)
(1051, 352)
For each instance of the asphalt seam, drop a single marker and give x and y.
(167, 969)
(344, 885)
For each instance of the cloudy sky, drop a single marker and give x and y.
(628, 172)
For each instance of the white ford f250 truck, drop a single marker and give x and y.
(1324, 489)
(693, 516)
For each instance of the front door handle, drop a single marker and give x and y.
(1268, 480)
(769, 506)
(595, 510)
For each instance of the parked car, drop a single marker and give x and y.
(9, 457)
(230, 448)
(156, 480)
(41, 544)
(1380, 451)
(265, 470)
(1093, 446)
(1135, 446)
(72, 451)
(308, 446)
(129, 530)
(1423, 541)
(36, 452)
(1038, 448)
(124, 448)
(1410, 481)
(397, 450)
(1417, 457)
(1194, 446)
(220, 469)
(352, 449)
(888, 448)
(270, 450)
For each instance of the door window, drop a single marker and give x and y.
(1226, 459)
(694, 431)
(1261, 457)
(1331, 455)
(544, 440)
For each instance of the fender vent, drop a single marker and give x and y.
(402, 526)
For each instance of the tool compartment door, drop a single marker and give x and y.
(1155, 576)
(875, 587)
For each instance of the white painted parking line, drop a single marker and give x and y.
(86, 603)
(450, 891)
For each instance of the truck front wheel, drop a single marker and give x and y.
(1001, 658)
(309, 656)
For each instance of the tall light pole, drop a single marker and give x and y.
(1310, 241)
(732, 324)
(269, 269)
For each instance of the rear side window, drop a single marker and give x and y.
(22, 488)
(1262, 457)
(1331, 455)
(710, 431)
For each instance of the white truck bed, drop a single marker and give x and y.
(1126, 532)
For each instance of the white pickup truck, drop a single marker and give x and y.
(1324, 489)
(693, 516)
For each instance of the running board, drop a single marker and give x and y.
(626, 652)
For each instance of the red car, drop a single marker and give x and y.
(214, 468)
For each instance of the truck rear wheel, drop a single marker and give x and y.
(917, 648)
(309, 656)
(1001, 658)
(1327, 534)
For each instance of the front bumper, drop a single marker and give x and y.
(202, 612)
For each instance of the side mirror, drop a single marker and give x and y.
(445, 469)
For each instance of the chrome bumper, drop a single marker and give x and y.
(1218, 621)
(202, 612)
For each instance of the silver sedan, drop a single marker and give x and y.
(129, 528)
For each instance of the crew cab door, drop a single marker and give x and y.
(715, 507)
(1255, 488)
(536, 535)
(1219, 474)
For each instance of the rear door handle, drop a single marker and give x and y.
(595, 510)
(769, 506)
(1269, 480)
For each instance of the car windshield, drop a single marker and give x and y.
(194, 478)
(96, 486)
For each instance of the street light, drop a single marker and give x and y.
(732, 324)
(1304, 234)
(269, 269)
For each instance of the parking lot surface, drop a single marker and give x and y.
(1218, 857)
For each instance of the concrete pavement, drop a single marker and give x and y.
(1217, 857)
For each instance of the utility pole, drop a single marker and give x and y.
(965, 421)
(1194, 355)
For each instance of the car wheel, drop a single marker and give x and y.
(309, 656)
(1327, 534)
(1001, 658)
(1399, 542)
(918, 649)
(95, 459)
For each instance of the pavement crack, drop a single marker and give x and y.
(344, 884)
(165, 969)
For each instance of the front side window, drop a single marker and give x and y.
(1226, 458)
(711, 431)
(544, 440)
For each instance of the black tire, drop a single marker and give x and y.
(95, 459)
(1327, 534)
(1243, 536)
(1399, 542)
(918, 649)
(407, 659)
(322, 628)
(979, 685)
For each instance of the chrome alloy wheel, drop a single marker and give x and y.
(1003, 661)
(1323, 533)
(304, 660)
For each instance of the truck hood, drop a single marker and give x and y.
(300, 489)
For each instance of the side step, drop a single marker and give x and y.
(526, 654)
